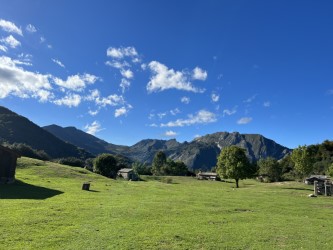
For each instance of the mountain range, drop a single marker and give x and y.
(201, 153)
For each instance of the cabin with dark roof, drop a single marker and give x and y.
(207, 176)
(8, 159)
(128, 174)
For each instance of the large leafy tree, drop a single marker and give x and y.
(303, 159)
(106, 164)
(159, 162)
(271, 168)
(232, 163)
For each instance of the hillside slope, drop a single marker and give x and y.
(18, 129)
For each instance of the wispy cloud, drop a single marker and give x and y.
(30, 28)
(170, 133)
(58, 63)
(124, 84)
(175, 111)
(93, 128)
(250, 99)
(215, 97)
(201, 117)
(127, 73)
(70, 100)
(266, 104)
(10, 27)
(230, 111)
(244, 120)
(199, 74)
(185, 100)
(164, 78)
(10, 41)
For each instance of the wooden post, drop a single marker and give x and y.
(315, 188)
(86, 186)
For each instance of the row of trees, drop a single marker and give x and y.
(304, 160)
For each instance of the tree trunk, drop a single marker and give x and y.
(237, 183)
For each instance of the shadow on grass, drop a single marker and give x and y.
(22, 190)
(303, 189)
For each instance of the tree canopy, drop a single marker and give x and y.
(270, 167)
(303, 158)
(233, 163)
(106, 165)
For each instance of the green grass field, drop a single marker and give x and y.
(46, 209)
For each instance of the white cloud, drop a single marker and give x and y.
(199, 74)
(10, 41)
(124, 84)
(93, 128)
(267, 104)
(122, 111)
(127, 73)
(202, 117)
(185, 100)
(121, 52)
(244, 120)
(229, 111)
(30, 28)
(175, 111)
(58, 62)
(153, 125)
(10, 27)
(3, 48)
(93, 113)
(42, 39)
(16, 81)
(215, 97)
(111, 100)
(164, 78)
(170, 133)
(76, 82)
(70, 100)
(117, 64)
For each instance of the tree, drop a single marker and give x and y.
(271, 168)
(158, 163)
(141, 168)
(106, 165)
(303, 160)
(233, 163)
(330, 170)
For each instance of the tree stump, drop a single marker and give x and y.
(86, 186)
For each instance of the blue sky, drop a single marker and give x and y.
(131, 70)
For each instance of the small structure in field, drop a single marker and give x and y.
(320, 178)
(207, 176)
(128, 174)
(8, 160)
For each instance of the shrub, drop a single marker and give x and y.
(71, 161)
(106, 165)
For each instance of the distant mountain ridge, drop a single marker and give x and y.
(201, 153)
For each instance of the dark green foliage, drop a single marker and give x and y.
(158, 163)
(25, 150)
(270, 168)
(106, 165)
(233, 163)
(89, 164)
(303, 158)
(141, 168)
(71, 161)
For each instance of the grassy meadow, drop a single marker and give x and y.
(46, 209)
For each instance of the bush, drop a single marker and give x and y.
(106, 165)
(71, 161)
(167, 180)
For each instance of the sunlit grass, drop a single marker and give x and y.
(47, 209)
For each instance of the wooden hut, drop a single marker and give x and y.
(8, 159)
(128, 174)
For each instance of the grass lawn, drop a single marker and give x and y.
(46, 209)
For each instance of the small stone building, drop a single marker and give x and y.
(128, 174)
(8, 159)
(207, 176)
